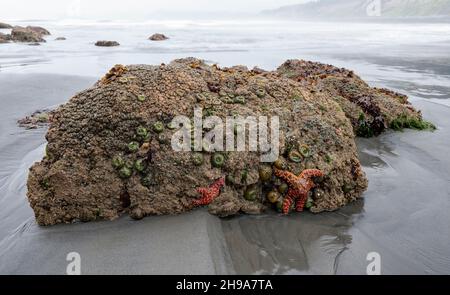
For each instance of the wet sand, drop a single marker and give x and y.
(404, 215)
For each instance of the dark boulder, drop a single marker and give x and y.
(107, 43)
(158, 37)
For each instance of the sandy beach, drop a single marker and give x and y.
(403, 216)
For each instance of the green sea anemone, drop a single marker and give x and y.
(218, 160)
(251, 193)
(265, 173)
(273, 197)
(158, 127)
(141, 97)
(244, 176)
(118, 162)
(304, 151)
(125, 172)
(133, 146)
(141, 131)
(309, 203)
(140, 165)
(197, 159)
(295, 156)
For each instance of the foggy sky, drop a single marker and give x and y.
(131, 9)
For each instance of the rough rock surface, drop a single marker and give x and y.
(39, 30)
(158, 37)
(107, 43)
(109, 148)
(370, 110)
(5, 26)
(20, 34)
(4, 38)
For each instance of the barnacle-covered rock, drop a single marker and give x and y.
(84, 179)
(370, 110)
(20, 34)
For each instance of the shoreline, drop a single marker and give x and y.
(396, 163)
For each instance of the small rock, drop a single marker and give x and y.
(158, 37)
(37, 119)
(60, 39)
(107, 43)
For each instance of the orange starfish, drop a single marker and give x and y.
(299, 186)
(208, 194)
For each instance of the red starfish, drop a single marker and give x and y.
(209, 193)
(299, 186)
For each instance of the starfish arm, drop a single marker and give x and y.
(301, 201)
(208, 194)
(309, 173)
(288, 200)
(287, 176)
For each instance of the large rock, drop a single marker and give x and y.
(90, 136)
(370, 110)
(20, 34)
(158, 37)
(107, 43)
(5, 26)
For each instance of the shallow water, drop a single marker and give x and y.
(404, 215)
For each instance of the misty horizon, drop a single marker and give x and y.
(135, 10)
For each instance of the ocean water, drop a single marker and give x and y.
(404, 215)
(411, 57)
